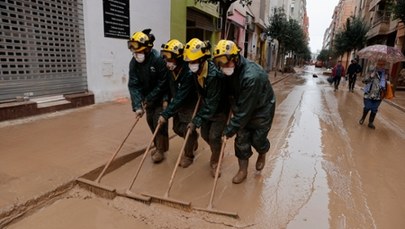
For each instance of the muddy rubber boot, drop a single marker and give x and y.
(161, 145)
(361, 121)
(242, 173)
(186, 161)
(371, 120)
(213, 169)
(158, 157)
(214, 157)
(214, 160)
(188, 157)
(261, 161)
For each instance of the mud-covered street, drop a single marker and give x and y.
(323, 170)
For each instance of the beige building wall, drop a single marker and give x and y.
(344, 10)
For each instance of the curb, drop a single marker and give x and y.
(394, 105)
(20, 210)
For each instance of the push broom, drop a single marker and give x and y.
(128, 193)
(95, 186)
(166, 197)
(210, 207)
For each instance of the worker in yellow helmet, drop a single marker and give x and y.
(211, 116)
(252, 102)
(183, 97)
(148, 86)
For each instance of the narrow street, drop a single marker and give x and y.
(323, 170)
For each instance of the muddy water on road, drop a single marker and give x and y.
(323, 170)
(296, 191)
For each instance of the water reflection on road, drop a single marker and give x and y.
(320, 166)
(296, 192)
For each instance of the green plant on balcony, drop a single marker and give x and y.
(398, 8)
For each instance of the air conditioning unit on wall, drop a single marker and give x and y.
(249, 19)
(249, 22)
(230, 11)
(219, 24)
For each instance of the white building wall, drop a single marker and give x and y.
(107, 59)
(286, 4)
(299, 10)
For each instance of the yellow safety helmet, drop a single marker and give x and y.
(196, 49)
(173, 49)
(225, 51)
(140, 40)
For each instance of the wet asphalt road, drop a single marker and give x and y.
(323, 170)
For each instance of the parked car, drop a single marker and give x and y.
(318, 64)
(328, 72)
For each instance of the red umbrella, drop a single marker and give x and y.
(382, 52)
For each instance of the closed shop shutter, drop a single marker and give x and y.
(200, 21)
(42, 50)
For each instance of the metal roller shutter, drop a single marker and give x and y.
(41, 48)
(200, 20)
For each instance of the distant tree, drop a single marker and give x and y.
(303, 53)
(324, 55)
(223, 9)
(290, 37)
(352, 37)
(306, 53)
(356, 31)
(294, 36)
(294, 41)
(341, 44)
(276, 29)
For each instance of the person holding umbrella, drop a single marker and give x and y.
(375, 85)
(376, 78)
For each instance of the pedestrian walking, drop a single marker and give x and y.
(337, 72)
(353, 69)
(375, 84)
(148, 85)
(183, 98)
(252, 102)
(214, 109)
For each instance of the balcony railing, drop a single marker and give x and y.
(381, 18)
(373, 4)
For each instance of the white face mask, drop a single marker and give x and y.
(227, 71)
(194, 67)
(171, 65)
(139, 57)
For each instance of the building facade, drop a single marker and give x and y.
(51, 51)
(377, 14)
(63, 48)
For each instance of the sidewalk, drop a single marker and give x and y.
(280, 76)
(398, 101)
(41, 156)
